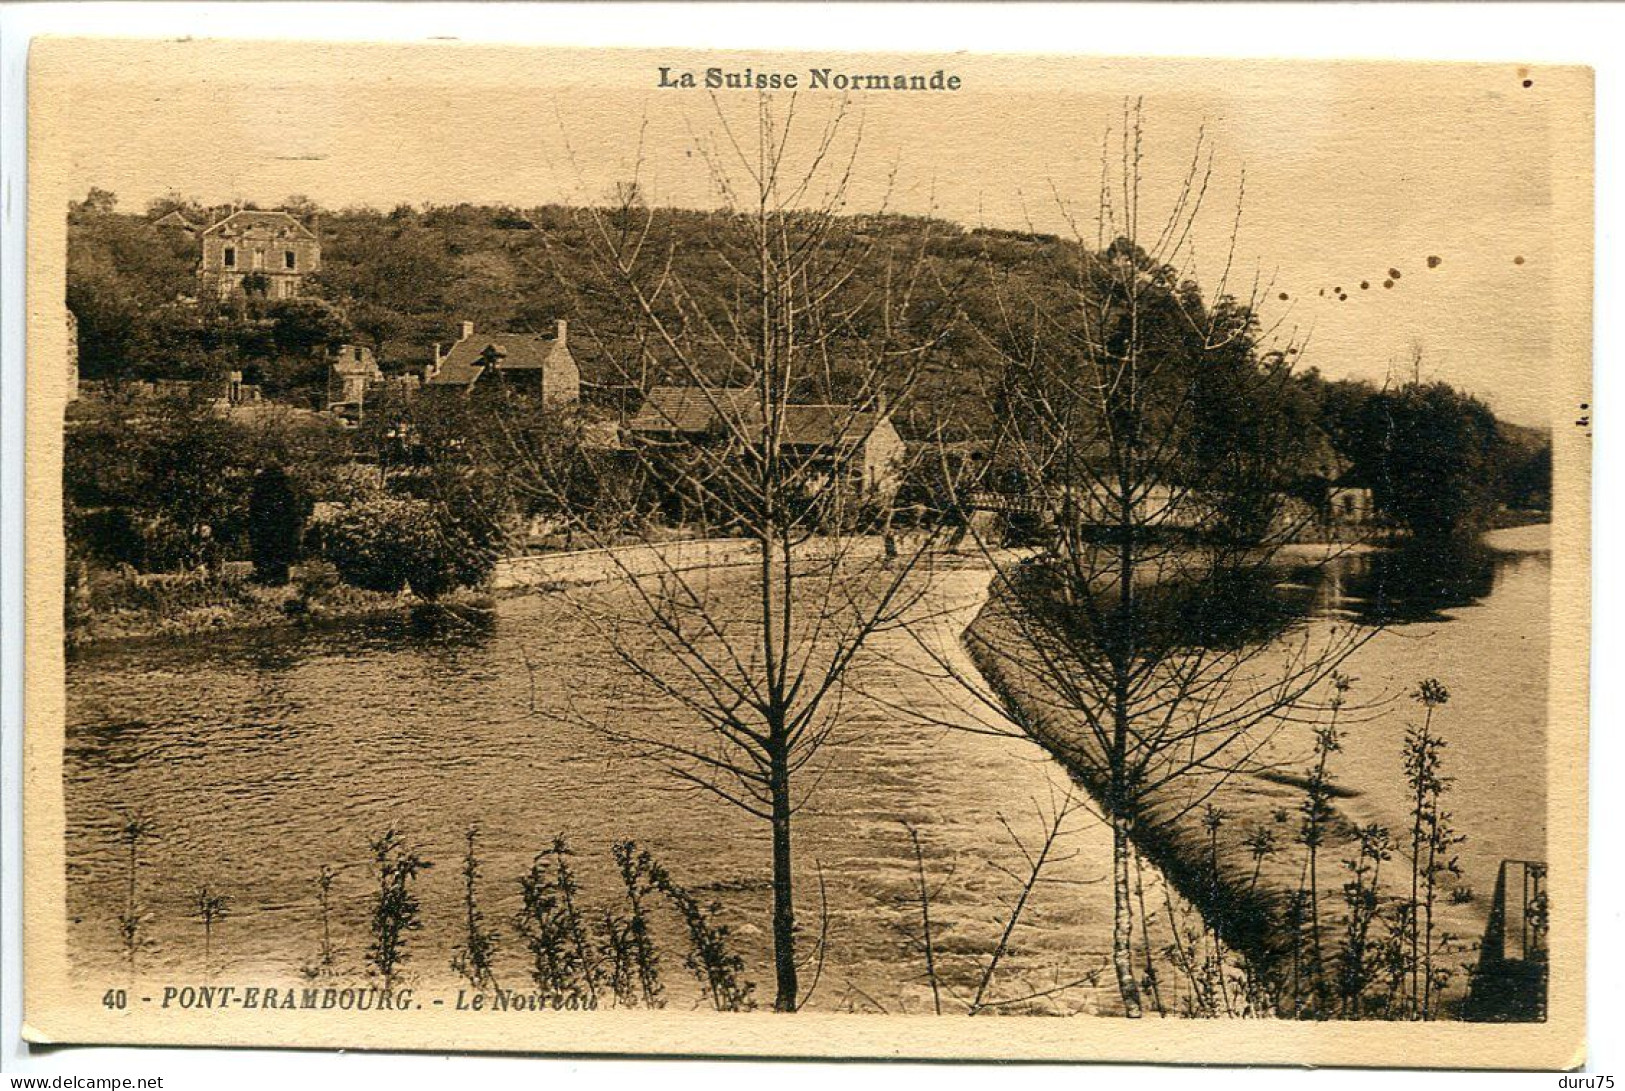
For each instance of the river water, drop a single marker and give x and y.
(1477, 618)
(260, 757)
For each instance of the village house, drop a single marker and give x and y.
(352, 371)
(540, 366)
(693, 414)
(273, 248)
(1349, 506)
(834, 442)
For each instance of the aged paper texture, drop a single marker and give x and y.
(620, 552)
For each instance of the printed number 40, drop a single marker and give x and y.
(114, 998)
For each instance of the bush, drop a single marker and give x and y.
(165, 596)
(107, 536)
(390, 543)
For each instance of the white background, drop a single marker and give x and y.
(1519, 33)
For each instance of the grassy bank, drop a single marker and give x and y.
(105, 605)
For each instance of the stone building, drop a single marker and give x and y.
(828, 443)
(258, 251)
(352, 371)
(540, 366)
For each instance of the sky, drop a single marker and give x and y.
(1448, 174)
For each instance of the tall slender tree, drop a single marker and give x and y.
(1149, 431)
(790, 340)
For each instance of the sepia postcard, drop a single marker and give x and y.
(843, 556)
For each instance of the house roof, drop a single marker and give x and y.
(467, 359)
(174, 218)
(249, 219)
(829, 425)
(448, 373)
(692, 409)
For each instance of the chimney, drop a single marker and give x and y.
(563, 333)
(468, 331)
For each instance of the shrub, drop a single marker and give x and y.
(391, 543)
(108, 536)
(395, 910)
(474, 960)
(551, 924)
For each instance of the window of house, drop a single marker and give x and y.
(287, 259)
(231, 257)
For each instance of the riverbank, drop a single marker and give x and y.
(107, 606)
(1233, 844)
(1172, 840)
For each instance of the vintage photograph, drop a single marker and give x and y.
(524, 537)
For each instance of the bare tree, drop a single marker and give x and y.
(1150, 440)
(771, 347)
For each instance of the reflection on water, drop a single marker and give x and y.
(1249, 603)
(1477, 617)
(1415, 582)
(1231, 608)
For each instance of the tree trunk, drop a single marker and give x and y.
(784, 910)
(1123, 919)
(1122, 658)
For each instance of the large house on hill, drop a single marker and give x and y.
(841, 441)
(273, 247)
(541, 366)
